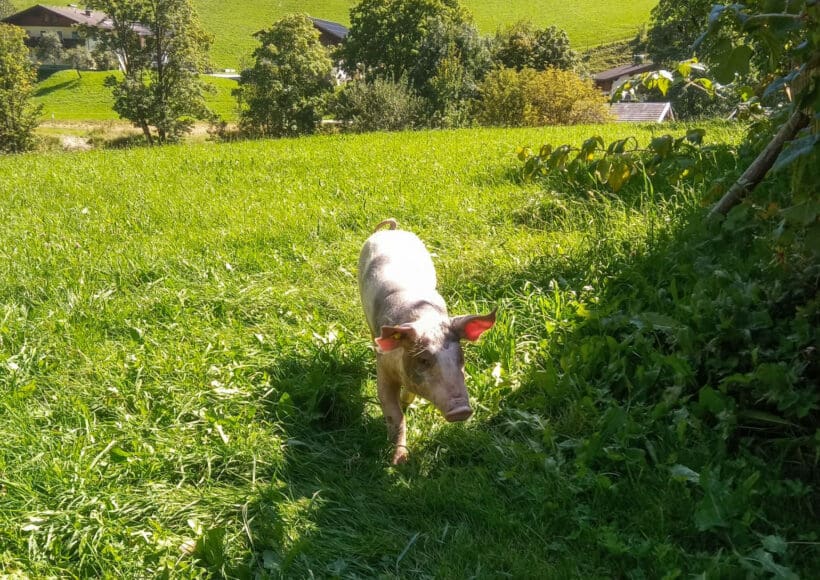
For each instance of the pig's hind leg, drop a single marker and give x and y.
(389, 397)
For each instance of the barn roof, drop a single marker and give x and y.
(625, 70)
(642, 112)
(333, 29)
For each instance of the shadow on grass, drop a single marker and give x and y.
(43, 91)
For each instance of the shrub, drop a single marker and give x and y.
(378, 106)
(533, 98)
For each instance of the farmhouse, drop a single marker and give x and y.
(65, 22)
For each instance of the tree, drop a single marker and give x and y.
(386, 37)
(49, 48)
(522, 45)
(286, 90)
(18, 117)
(674, 27)
(162, 49)
(80, 58)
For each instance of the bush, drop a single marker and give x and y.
(533, 98)
(378, 106)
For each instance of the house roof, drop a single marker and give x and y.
(625, 70)
(642, 112)
(332, 28)
(71, 15)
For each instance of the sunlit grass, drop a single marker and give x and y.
(186, 384)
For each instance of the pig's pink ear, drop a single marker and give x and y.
(472, 327)
(394, 336)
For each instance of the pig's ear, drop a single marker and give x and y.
(472, 327)
(394, 336)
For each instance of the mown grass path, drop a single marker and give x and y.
(186, 385)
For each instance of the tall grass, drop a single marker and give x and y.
(187, 389)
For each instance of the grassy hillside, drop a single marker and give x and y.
(588, 22)
(65, 96)
(186, 385)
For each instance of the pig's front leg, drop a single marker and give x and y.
(389, 391)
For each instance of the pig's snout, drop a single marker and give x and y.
(460, 413)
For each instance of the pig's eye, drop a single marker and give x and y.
(425, 360)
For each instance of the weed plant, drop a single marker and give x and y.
(187, 386)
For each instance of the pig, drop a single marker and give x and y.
(418, 348)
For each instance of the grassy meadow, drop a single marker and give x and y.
(66, 96)
(187, 387)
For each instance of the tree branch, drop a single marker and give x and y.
(755, 173)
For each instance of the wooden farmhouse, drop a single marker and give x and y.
(65, 22)
(611, 79)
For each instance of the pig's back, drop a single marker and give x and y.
(391, 262)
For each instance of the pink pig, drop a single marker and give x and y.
(418, 344)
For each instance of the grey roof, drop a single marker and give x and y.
(619, 71)
(332, 28)
(642, 112)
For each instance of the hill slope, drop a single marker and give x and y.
(588, 22)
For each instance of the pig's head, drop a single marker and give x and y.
(432, 361)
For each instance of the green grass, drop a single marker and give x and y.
(65, 96)
(186, 384)
(587, 22)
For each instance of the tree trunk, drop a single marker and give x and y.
(755, 173)
(147, 132)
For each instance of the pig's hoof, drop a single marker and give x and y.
(400, 456)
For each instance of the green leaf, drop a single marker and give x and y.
(775, 545)
(683, 473)
(796, 149)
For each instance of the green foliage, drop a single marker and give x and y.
(80, 58)
(49, 48)
(674, 27)
(286, 90)
(387, 37)
(18, 117)
(532, 98)
(663, 164)
(522, 45)
(380, 105)
(161, 88)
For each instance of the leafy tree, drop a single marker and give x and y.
(161, 87)
(674, 27)
(49, 48)
(522, 45)
(387, 37)
(533, 98)
(17, 78)
(80, 58)
(286, 90)
(458, 58)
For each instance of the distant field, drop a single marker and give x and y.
(588, 22)
(65, 96)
